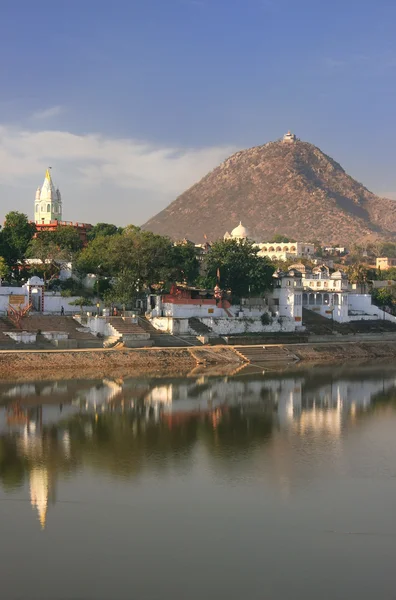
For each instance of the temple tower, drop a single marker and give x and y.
(48, 204)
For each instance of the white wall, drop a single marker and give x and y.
(5, 293)
(223, 326)
(363, 303)
(53, 304)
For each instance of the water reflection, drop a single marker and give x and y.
(123, 428)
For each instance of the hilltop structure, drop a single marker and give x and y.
(48, 209)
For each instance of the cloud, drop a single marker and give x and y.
(48, 113)
(101, 178)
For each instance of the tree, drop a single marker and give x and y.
(241, 270)
(81, 302)
(185, 263)
(65, 237)
(279, 238)
(16, 236)
(96, 257)
(357, 273)
(124, 290)
(53, 249)
(384, 296)
(103, 229)
(3, 268)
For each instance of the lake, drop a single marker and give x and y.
(253, 486)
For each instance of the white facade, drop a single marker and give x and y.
(48, 202)
(284, 251)
(286, 297)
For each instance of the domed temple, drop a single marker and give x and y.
(239, 233)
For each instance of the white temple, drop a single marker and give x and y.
(289, 137)
(48, 203)
(239, 233)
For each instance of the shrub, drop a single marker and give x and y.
(266, 319)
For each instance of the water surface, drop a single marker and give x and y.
(274, 485)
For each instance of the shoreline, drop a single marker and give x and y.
(195, 360)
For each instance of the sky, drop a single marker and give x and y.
(133, 101)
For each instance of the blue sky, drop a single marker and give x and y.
(132, 101)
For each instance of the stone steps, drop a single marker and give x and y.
(265, 354)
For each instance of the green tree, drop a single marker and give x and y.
(279, 238)
(103, 229)
(16, 236)
(3, 268)
(185, 264)
(241, 270)
(384, 296)
(357, 273)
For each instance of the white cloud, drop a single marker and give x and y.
(101, 178)
(48, 113)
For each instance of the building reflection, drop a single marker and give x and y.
(48, 430)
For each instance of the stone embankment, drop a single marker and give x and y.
(56, 364)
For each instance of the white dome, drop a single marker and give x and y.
(240, 232)
(35, 281)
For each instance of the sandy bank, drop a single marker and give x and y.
(172, 361)
(341, 351)
(110, 363)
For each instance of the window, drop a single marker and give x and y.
(311, 299)
(37, 208)
(297, 299)
(319, 299)
(325, 284)
(326, 299)
(305, 299)
(318, 284)
(48, 207)
(336, 299)
(42, 208)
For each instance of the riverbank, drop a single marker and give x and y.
(66, 364)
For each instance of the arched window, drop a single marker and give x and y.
(336, 299)
(42, 208)
(326, 299)
(264, 249)
(278, 249)
(271, 249)
(319, 299)
(48, 207)
(55, 208)
(286, 249)
(305, 299)
(311, 300)
(293, 249)
(37, 208)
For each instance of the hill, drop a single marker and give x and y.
(289, 187)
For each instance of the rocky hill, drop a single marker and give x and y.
(289, 187)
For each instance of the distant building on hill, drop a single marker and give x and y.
(48, 210)
(385, 263)
(289, 137)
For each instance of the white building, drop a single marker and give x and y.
(284, 251)
(285, 300)
(239, 233)
(48, 204)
